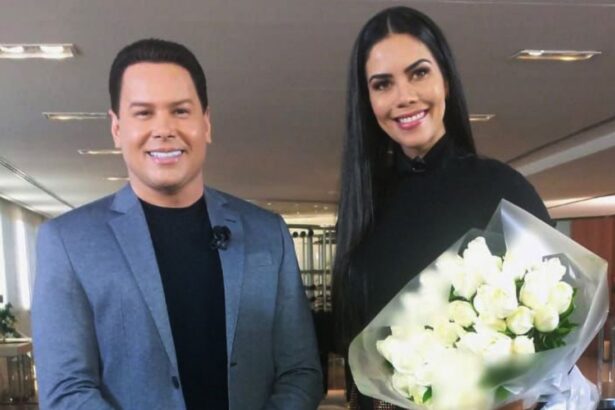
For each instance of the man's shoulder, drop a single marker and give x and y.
(245, 208)
(84, 216)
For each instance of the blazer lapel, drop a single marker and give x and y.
(131, 231)
(231, 259)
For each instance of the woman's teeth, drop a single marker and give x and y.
(415, 117)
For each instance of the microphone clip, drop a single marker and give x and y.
(221, 236)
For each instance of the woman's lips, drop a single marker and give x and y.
(407, 122)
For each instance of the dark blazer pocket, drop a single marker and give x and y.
(259, 259)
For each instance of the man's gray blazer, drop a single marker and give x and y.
(102, 338)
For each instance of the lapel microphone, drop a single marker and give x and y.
(220, 237)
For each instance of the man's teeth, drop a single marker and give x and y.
(165, 154)
(415, 117)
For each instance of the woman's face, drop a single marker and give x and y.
(407, 92)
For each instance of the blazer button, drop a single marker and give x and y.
(175, 381)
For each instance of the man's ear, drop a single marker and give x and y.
(115, 129)
(207, 125)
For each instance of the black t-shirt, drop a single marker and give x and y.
(194, 292)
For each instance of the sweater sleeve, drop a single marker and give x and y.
(518, 190)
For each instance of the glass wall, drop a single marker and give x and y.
(18, 228)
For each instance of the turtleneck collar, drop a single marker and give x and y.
(442, 150)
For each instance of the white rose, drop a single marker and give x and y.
(425, 373)
(405, 385)
(492, 346)
(462, 313)
(465, 398)
(490, 323)
(546, 319)
(498, 349)
(520, 321)
(478, 259)
(554, 269)
(560, 297)
(387, 346)
(464, 282)
(535, 290)
(523, 345)
(540, 280)
(457, 386)
(514, 265)
(473, 342)
(399, 353)
(417, 392)
(414, 310)
(402, 383)
(447, 332)
(495, 301)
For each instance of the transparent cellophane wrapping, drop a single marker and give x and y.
(531, 239)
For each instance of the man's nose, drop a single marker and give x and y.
(163, 126)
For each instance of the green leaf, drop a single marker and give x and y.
(427, 395)
(501, 394)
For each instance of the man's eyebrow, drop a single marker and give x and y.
(140, 104)
(184, 101)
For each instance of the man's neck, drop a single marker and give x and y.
(169, 199)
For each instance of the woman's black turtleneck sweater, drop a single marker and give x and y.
(437, 200)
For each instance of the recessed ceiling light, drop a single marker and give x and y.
(481, 117)
(49, 51)
(99, 151)
(12, 49)
(74, 116)
(117, 178)
(555, 55)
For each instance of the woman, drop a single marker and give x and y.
(411, 181)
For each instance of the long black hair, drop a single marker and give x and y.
(367, 166)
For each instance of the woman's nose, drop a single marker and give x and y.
(406, 95)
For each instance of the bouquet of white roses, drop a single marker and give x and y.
(475, 329)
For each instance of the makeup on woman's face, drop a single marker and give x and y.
(407, 92)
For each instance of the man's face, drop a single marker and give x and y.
(163, 133)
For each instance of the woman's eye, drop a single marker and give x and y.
(420, 72)
(381, 85)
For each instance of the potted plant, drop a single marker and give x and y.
(7, 321)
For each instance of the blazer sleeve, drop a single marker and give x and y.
(298, 378)
(65, 346)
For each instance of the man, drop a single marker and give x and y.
(168, 295)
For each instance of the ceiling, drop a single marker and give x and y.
(277, 70)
